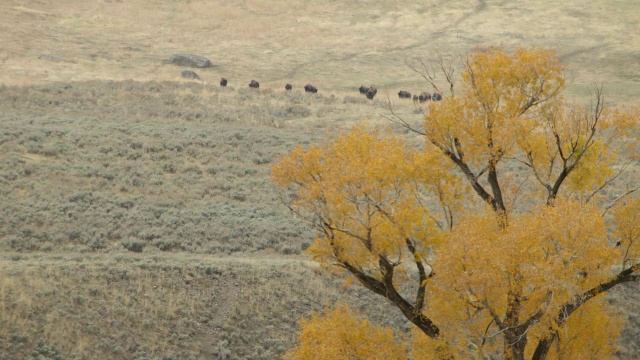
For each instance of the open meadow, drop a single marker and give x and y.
(138, 217)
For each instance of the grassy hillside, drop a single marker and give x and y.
(177, 306)
(138, 218)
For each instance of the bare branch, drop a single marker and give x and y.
(428, 72)
(627, 193)
(608, 181)
(397, 119)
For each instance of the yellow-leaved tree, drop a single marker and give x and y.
(339, 334)
(497, 238)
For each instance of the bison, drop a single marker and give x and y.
(404, 94)
(424, 96)
(415, 97)
(254, 84)
(310, 89)
(363, 89)
(436, 97)
(288, 87)
(371, 92)
(223, 82)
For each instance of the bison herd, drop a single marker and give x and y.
(370, 92)
(424, 96)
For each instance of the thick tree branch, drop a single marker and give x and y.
(577, 154)
(422, 275)
(472, 179)
(567, 309)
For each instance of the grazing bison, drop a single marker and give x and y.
(404, 94)
(363, 89)
(424, 96)
(223, 82)
(310, 88)
(415, 98)
(288, 87)
(254, 84)
(371, 92)
(189, 74)
(436, 97)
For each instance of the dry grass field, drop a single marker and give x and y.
(138, 220)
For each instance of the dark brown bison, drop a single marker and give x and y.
(415, 97)
(404, 94)
(363, 89)
(424, 96)
(371, 92)
(310, 89)
(254, 84)
(436, 97)
(223, 82)
(288, 87)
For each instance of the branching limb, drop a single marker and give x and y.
(397, 119)
(567, 309)
(627, 193)
(608, 181)
(428, 72)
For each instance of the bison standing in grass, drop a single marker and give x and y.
(254, 84)
(371, 92)
(310, 88)
(223, 82)
(424, 96)
(288, 87)
(404, 94)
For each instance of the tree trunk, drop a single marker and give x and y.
(514, 345)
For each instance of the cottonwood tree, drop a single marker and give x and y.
(340, 334)
(499, 237)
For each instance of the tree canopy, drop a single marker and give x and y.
(498, 237)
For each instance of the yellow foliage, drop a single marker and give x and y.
(556, 253)
(504, 268)
(339, 334)
(627, 231)
(511, 107)
(366, 192)
(424, 347)
(498, 90)
(590, 333)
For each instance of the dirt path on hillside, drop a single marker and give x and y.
(226, 295)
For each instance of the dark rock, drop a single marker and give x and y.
(189, 74)
(190, 60)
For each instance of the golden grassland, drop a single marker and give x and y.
(336, 45)
(138, 219)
